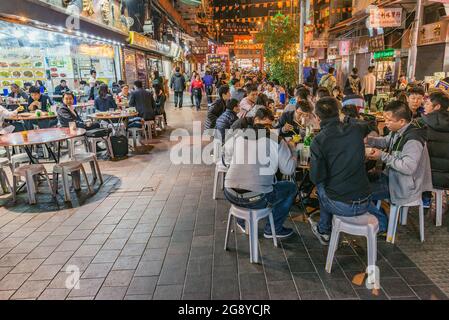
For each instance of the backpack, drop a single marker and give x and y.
(325, 82)
(119, 145)
(354, 84)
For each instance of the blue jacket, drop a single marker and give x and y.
(208, 80)
(106, 103)
(224, 122)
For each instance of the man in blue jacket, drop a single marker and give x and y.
(209, 84)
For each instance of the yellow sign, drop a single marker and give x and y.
(96, 50)
(140, 41)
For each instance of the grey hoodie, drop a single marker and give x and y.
(408, 168)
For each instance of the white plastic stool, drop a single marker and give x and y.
(66, 168)
(29, 172)
(251, 217)
(364, 225)
(5, 185)
(439, 206)
(93, 144)
(402, 210)
(90, 158)
(134, 131)
(220, 171)
(150, 126)
(20, 158)
(160, 121)
(71, 143)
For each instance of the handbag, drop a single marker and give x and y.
(119, 145)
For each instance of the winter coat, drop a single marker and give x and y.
(215, 110)
(437, 135)
(224, 123)
(178, 82)
(353, 85)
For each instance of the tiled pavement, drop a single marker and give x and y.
(154, 232)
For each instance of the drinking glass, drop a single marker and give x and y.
(304, 156)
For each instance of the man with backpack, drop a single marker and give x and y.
(328, 81)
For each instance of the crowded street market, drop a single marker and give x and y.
(224, 150)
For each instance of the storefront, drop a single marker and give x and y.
(433, 53)
(28, 54)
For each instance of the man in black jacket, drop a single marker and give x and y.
(143, 101)
(178, 84)
(436, 129)
(217, 108)
(338, 170)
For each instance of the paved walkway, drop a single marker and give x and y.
(154, 232)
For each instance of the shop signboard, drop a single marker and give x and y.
(130, 65)
(223, 50)
(332, 53)
(344, 47)
(319, 43)
(142, 42)
(433, 33)
(385, 54)
(376, 43)
(385, 17)
(141, 68)
(359, 45)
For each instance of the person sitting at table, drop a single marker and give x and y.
(104, 101)
(85, 89)
(301, 94)
(61, 88)
(38, 100)
(321, 92)
(142, 100)
(5, 113)
(17, 93)
(295, 122)
(124, 93)
(40, 85)
(249, 101)
(67, 113)
(27, 85)
(251, 184)
(217, 108)
(338, 170)
(415, 98)
(226, 119)
(404, 151)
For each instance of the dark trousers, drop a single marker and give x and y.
(198, 96)
(178, 98)
(369, 98)
(209, 90)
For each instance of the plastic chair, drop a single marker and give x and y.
(90, 158)
(71, 143)
(29, 172)
(5, 185)
(252, 217)
(364, 225)
(220, 171)
(134, 132)
(439, 206)
(159, 119)
(70, 167)
(396, 210)
(150, 126)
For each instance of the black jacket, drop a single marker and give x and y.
(338, 160)
(178, 82)
(437, 135)
(224, 123)
(289, 117)
(348, 89)
(65, 116)
(159, 104)
(242, 123)
(215, 110)
(143, 101)
(44, 100)
(106, 103)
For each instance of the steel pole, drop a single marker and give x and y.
(414, 48)
(302, 21)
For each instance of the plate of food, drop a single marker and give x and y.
(26, 65)
(101, 114)
(4, 65)
(39, 74)
(16, 74)
(5, 74)
(14, 65)
(28, 74)
(54, 75)
(6, 83)
(38, 64)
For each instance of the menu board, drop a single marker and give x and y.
(60, 67)
(130, 66)
(19, 66)
(141, 68)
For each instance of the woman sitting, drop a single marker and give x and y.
(104, 101)
(67, 113)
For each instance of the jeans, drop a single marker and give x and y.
(209, 90)
(198, 96)
(280, 200)
(178, 98)
(329, 207)
(369, 98)
(379, 187)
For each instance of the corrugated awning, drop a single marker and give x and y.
(348, 23)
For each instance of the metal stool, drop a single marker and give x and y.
(29, 172)
(150, 126)
(6, 186)
(91, 158)
(134, 132)
(66, 168)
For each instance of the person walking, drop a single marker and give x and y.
(209, 84)
(197, 90)
(369, 86)
(178, 85)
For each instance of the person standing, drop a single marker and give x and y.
(159, 101)
(178, 85)
(369, 86)
(312, 80)
(328, 81)
(353, 84)
(209, 84)
(92, 83)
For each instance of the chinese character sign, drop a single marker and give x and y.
(385, 17)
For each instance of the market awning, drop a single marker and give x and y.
(348, 23)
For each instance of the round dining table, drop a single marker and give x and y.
(27, 139)
(27, 116)
(115, 118)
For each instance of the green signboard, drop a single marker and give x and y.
(389, 53)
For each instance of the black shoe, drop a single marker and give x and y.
(284, 233)
(323, 238)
